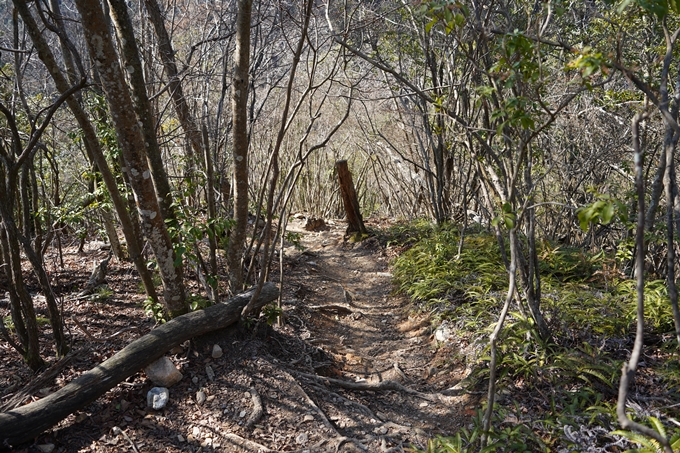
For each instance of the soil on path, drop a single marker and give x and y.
(350, 370)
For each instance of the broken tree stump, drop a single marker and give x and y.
(97, 277)
(26, 422)
(355, 224)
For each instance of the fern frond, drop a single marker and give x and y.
(638, 439)
(658, 426)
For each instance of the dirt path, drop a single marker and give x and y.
(342, 296)
(348, 372)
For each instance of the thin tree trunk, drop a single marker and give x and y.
(512, 284)
(167, 54)
(92, 146)
(629, 369)
(132, 145)
(240, 145)
(142, 105)
(23, 311)
(112, 234)
(669, 185)
(355, 224)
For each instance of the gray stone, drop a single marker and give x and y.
(46, 448)
(201, 397)
(210, 373)
(216, 351)
(163, 372)
(157, 398)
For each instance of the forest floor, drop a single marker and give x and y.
(352, 369)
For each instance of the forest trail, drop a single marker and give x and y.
(341, 293)
(349, 371)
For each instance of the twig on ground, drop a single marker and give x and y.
(259, 448)
(318, 410)
(257, 409)
(116, 431)
(37, 383)
(101, 340)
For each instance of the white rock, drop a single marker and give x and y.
(242, 414)
(216, 351)
(200, 397)
(443, 333)
(196, 431)
(301, 438)
(157, 398)
(163, 372)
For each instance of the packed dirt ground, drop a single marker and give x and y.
(351, 369)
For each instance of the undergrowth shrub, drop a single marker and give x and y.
(564, 389)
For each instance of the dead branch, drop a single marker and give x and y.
(97, 277)
(26, 422)
(257, 409)
(37, 383)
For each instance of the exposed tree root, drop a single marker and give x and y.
(254, 447)
(117, 431)
(383, 385)
(258, 410)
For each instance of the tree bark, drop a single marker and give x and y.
(26, 422)
(133, 63)
(131, 140)
(355, 224)
(92, 146)
(240, 135)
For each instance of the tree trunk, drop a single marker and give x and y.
(167, 54)
(355, 223)
(240, 135)
(92, 146)
(132, 145)
(142, 105)
(26, 422)
(23, 311)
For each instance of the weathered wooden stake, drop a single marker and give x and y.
(355, 223)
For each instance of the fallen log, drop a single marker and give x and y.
(26, 422)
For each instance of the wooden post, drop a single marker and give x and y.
(355, 223)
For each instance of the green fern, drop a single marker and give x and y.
(648, 444)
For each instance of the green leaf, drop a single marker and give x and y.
(607, 213)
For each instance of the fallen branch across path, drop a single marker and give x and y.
(26, 422)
